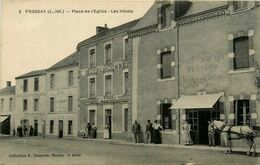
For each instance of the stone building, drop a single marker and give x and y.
(196, 61)
(7, 108)
(104, 87)
(62, 98)
(30, 93)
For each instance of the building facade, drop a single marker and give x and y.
(104, 86)
(62, 98)
(7, 109)
(196, 61)
(30, 94)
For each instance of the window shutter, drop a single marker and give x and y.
(253, 110)
(231, 111)
(241, 49)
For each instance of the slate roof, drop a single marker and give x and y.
(109, 32)
(149, 18)
(32, 74)
(71, 60)
(7, 90)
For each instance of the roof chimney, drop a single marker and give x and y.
(8, 83)
(100, 29)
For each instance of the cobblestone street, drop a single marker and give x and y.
(90, 152)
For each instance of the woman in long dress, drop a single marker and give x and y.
(106, 132)
(186, 133)
(156, 132)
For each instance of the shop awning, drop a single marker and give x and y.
(3, 118)
(196, 101)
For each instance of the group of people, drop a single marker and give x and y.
(187, 136)
(24, 131)
(152, 132)
(91, 131)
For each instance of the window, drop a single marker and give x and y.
(51, 104)
(11, 104)
(108, 85)
(70, 103)
(36, 84)
(166, 65)
(25, 105)
(108, 54)
(239, 5)
(2, 104)
(25, 85)
(125, 82)
(241, 50)
(92, 61)
(242, 110)
(51, 126)
(52, 81)
(69, 127)
(92, 87)
(36, 104)
(166, 16)
(92, 117)
(166, 116)
(70, 79)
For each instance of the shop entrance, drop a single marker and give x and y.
(198, 118)
(108, 121)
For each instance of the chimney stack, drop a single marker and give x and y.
(100, 29)
(8, 83)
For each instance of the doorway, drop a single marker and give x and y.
(60, 128)
(108, 121)
(198, 119)
(35, 133)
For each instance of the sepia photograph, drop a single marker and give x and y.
(129, 82)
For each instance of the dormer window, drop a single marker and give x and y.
(239, 5)
(166, 16)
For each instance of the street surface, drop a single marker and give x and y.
(39, 151)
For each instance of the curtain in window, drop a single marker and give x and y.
(166, 65)
(108, 85)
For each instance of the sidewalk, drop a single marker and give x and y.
(194, 147)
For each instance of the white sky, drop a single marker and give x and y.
(37, 41)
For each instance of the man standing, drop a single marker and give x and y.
(88, 130)
(211, 133)
(148, 132)
(136, 129)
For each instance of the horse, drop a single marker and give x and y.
(235, 133)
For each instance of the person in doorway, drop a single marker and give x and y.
(211, 133)
(148, 132)
(136, 129)
(88, 130)
(186, 133)
(14, 133)
(106, 132)
(157, 128)
(31, 130)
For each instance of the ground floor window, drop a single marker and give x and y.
(51, 126)
(166, 120)
(242, 110)
(69, 127)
